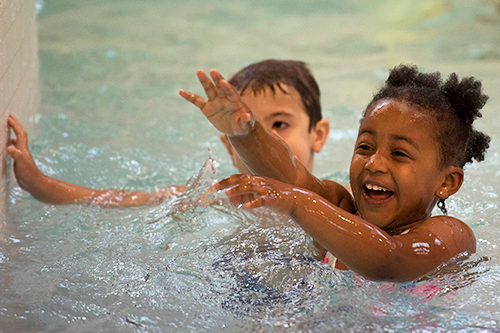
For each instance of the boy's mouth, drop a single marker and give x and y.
(376, 194)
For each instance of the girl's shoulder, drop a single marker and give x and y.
(451, 233)
(339, 195)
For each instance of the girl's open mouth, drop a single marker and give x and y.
(376, 194)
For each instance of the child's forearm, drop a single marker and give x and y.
(54, 191)
(265, 154)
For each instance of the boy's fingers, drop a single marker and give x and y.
(13, 123)
(13, 142)
(19, 131)
(11, 119)
(13, 152)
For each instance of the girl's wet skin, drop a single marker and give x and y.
(396, 176)
(395, 170)
(404, 162)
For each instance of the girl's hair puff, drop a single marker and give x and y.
(455, 104)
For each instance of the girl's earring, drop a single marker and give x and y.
(442, 206)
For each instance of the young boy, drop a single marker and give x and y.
(283, 95)
(281, 157)
(251, 141)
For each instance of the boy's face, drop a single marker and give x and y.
(284, 115)
(395, 170)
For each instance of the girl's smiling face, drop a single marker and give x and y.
(395, 171)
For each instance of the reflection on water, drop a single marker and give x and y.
(111, 118)
(199, 263)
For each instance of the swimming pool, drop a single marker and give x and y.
(111, 118)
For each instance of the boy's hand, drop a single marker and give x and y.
(255, 191)
(25, 168)
(224, 107)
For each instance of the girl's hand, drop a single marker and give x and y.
(255, 191)
(224, 107)
(25, 169)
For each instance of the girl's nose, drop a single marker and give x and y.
(377, 163)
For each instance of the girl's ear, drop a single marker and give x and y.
(453, 179)
(320, 134)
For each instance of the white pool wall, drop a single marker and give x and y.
(19, 91)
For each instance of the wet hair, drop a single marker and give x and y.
(454, 104)
(273, 73)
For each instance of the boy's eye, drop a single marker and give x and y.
(280, 125)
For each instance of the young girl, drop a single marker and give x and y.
(414, 139)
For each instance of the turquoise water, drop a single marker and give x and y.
(111, 118)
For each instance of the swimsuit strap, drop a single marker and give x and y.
(330, 259)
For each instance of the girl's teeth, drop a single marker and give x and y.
(375, 188)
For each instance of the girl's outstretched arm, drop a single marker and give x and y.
(55, 191)
(361, 246)
(223, 107)
(262, 152)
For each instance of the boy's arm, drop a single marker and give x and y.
(54, 191)
(262, 152)
(360, 245)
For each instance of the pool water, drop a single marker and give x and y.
(111, 118)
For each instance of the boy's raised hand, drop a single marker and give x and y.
(224, 107)
(25, 168)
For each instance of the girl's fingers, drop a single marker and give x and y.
(217, 80)
(216, 75)
(230, 91)
(249, 191)
(207, 84)
(240, 190)
(241, 198)
(198, 101)
(256, 203)
(229, 182)
(242, 124)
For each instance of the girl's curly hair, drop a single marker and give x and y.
(455, 104)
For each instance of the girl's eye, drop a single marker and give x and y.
(280, 125)
(400, 154)
(364, 147)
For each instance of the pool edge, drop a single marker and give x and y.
(19, 65)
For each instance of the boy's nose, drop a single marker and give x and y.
(377, 163)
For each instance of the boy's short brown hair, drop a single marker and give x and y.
(272, 73)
